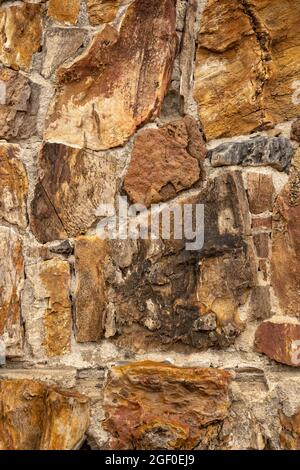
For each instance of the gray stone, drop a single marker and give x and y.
(258, 151)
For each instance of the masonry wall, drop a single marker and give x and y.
(144, 344)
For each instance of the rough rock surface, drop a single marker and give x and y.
(279, 342)
(246, 65)
(19, 100)
(295, 131)
(276, 152)
(72, 185)
(13, 187)
(155, 406)
(11, 285)
(20, 34)
(290, 435)
(49, 313)
(261, 191)
(104, 11)
(286, 248)
(165, 162)
(64, 11)
(34, 416)
(91, 296)
(106, 107)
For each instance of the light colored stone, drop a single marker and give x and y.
(13, 186)
(20, 34)
(119, 83)
(11, 285)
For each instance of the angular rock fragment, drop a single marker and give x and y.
(279, 341)
(102, 106)
(295, 131)
(13, 186)
(47, 308)
(286, 247)
(90, 296)
(247, 65)
(64, 11)
(165, 162)
(20, 34)
(19, 104)
(261, 193)
(73, 184)
(60, 44)
(104, 11)
(156, 406)
(34, 416)
(290, 434)
(11, 285)
(258, 151)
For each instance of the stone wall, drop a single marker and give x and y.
(143, 344)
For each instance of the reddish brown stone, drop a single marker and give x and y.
(154, 406)
(286, 247)
(19, 103)
(34, 416)
(73, 184)
(165, 162)
(91, 295)
(279, 341)
(295, 131)
(119, 82)
(262, 223)
(260, 192)
(261, 242)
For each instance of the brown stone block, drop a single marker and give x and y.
(104, 11)
(261, 242)
(155, 406)
(64, 11)
(279, 341)
(261, 192)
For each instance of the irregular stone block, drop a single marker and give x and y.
(279, 341)
(295, 131)
(247, 65)
(60, 44)
(261, 243)
(19, 103)
(11, 285)
(258, 151)
(34, 416)
(13, 186)
(262, 223)
(20, 34)
(64, 11)
(286, 247)
(156, 406)
(290, 434)
(47, 308)
(165, 162)
(260, 302)
(73, 184)
(90, 296)
(106, 107)
(104, 11)
(261, 193)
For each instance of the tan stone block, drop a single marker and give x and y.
(64, 11)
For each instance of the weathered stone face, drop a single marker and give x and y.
(104, 11)
(19, 102)
(261, 191)
(277, 341)
(48, 313)
(73, 184)
(259, 151)
(91, 295)
(34, 416)
(13, 186)
(20, 34)
(119, 83)
(165, 162)
(290, 435)
(11, 285)
(295, 131)
(64, 11)
(153, 406)
(286, 247)
(244, 77)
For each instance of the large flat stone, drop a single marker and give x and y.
(102, 106)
